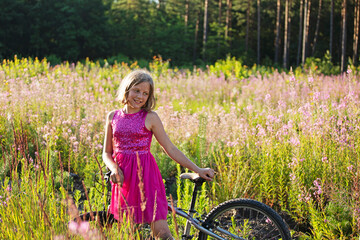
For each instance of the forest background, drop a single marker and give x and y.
(267, 32)
(266, 92)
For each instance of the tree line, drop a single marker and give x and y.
(269, 32)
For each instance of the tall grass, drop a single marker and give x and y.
(290, 140)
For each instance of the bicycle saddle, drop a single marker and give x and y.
(194, 177)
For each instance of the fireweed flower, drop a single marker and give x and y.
(292, 177)
(77, 228)
(232, 144)
(293, 163)
(317, 185)
(348, 71)
(83, 227)
(294, 141)
(267, 97)
(304, 197)
(316, 96)
(281, 104)
(261, 131)
(73, 226)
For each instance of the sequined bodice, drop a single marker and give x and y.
(129, 133)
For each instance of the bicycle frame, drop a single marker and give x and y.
(196, 222)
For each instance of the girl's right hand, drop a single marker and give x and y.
(207, 173)
(117, 177)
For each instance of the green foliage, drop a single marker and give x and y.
(339, 218)
(158, 66)
(230, 67)
(323, 65)
(234, 68)
(233, 172)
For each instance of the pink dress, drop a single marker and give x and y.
(142, 196)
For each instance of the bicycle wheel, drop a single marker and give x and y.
(102, 217)
(245, 219)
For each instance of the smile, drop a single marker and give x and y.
(138, 101)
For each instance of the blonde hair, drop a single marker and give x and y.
(132, 79)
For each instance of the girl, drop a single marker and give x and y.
(137, 186)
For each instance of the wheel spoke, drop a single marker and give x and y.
(246, 219)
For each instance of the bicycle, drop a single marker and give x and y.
(232, 219)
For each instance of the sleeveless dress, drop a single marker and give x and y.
(142, 196)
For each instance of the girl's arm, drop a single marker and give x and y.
(116, 173)
(154, 124)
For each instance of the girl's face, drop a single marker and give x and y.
(138, 95)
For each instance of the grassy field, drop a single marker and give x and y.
(290, 140)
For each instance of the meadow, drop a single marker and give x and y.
(288, 139)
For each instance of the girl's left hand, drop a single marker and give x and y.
(207, 173)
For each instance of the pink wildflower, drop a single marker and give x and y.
(73, 226)
(84, 227)
(292, 177)
(317, 185)
(316, 96)
(261, 131)
(281, 104)
(267, 97)
(294, 141)
(294, 162)
(77, 228)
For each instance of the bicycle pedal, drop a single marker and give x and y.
(187, 236)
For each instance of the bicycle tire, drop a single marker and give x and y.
(246, 219)
(102, 217)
